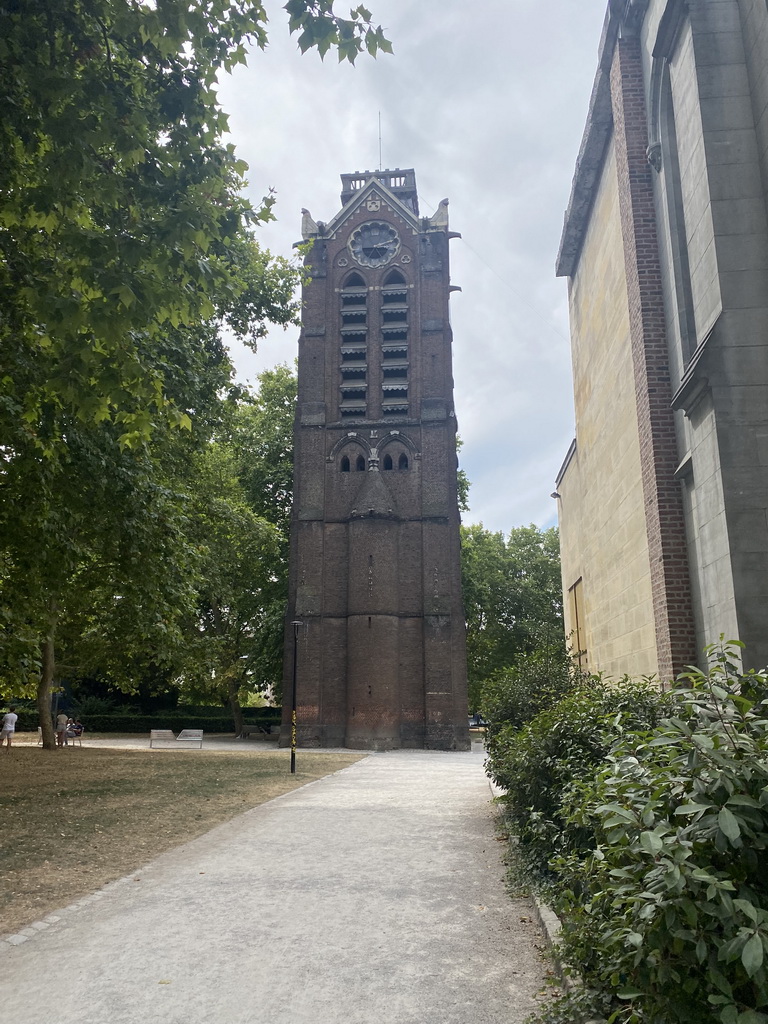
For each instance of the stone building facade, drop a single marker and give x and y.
(663, 494)
(375, 573)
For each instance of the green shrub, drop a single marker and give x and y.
(669, 912)
(539, 765)
(515, 695)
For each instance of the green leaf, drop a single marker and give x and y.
(752, 954)
(747, 909)
(651, 843)
(692, 808)
(728, 824)
(743, 800)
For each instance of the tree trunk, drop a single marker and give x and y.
(45, 685)
(233, 690)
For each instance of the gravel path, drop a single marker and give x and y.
(373, 896)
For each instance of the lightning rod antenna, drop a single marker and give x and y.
(379, 140)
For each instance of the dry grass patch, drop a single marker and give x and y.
(73, 820)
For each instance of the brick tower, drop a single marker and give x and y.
(375, 577)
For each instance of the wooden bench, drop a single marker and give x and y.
(249, 730)
(185, 736)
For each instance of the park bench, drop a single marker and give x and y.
(157, 736)
(249, 730)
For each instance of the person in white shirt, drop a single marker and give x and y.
(61, 730)
(8, 728)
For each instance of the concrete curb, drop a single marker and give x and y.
(550, 925)
(548, 921)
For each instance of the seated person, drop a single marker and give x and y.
(74, 728)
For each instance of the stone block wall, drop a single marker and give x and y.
(603, 537)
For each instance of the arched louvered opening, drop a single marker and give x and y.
(395, 364)
(353, 362)
(394, 277)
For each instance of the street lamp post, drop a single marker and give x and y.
(296, 623)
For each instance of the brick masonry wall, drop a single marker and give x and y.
(665, 524)
(375, 571)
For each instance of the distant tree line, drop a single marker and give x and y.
(513, 606)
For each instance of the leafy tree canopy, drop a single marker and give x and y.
(119, 203)
(240, 493)
(512, 596)
(124, 245)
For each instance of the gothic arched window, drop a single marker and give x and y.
(387, 464)
(402, 462)
(345, 464)
(394, 277)
(360, 465)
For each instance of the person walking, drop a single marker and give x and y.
(8, 728)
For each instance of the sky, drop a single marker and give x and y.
(487, 101)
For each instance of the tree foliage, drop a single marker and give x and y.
(125, 245)
(240, 494)
(120, 210)
(118, 202)
(512, 597)
(236, 550)
(263, 431)
(95, 561)
(265, 453)
(318, 26)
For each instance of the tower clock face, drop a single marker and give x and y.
(374, 244)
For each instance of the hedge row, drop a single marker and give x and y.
(215, 722)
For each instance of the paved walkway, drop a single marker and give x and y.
(373, 896)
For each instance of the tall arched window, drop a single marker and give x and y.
(402, 462)
(387, 464)
(360, 465)
(345, 464)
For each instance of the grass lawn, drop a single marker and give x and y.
(73, 820)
